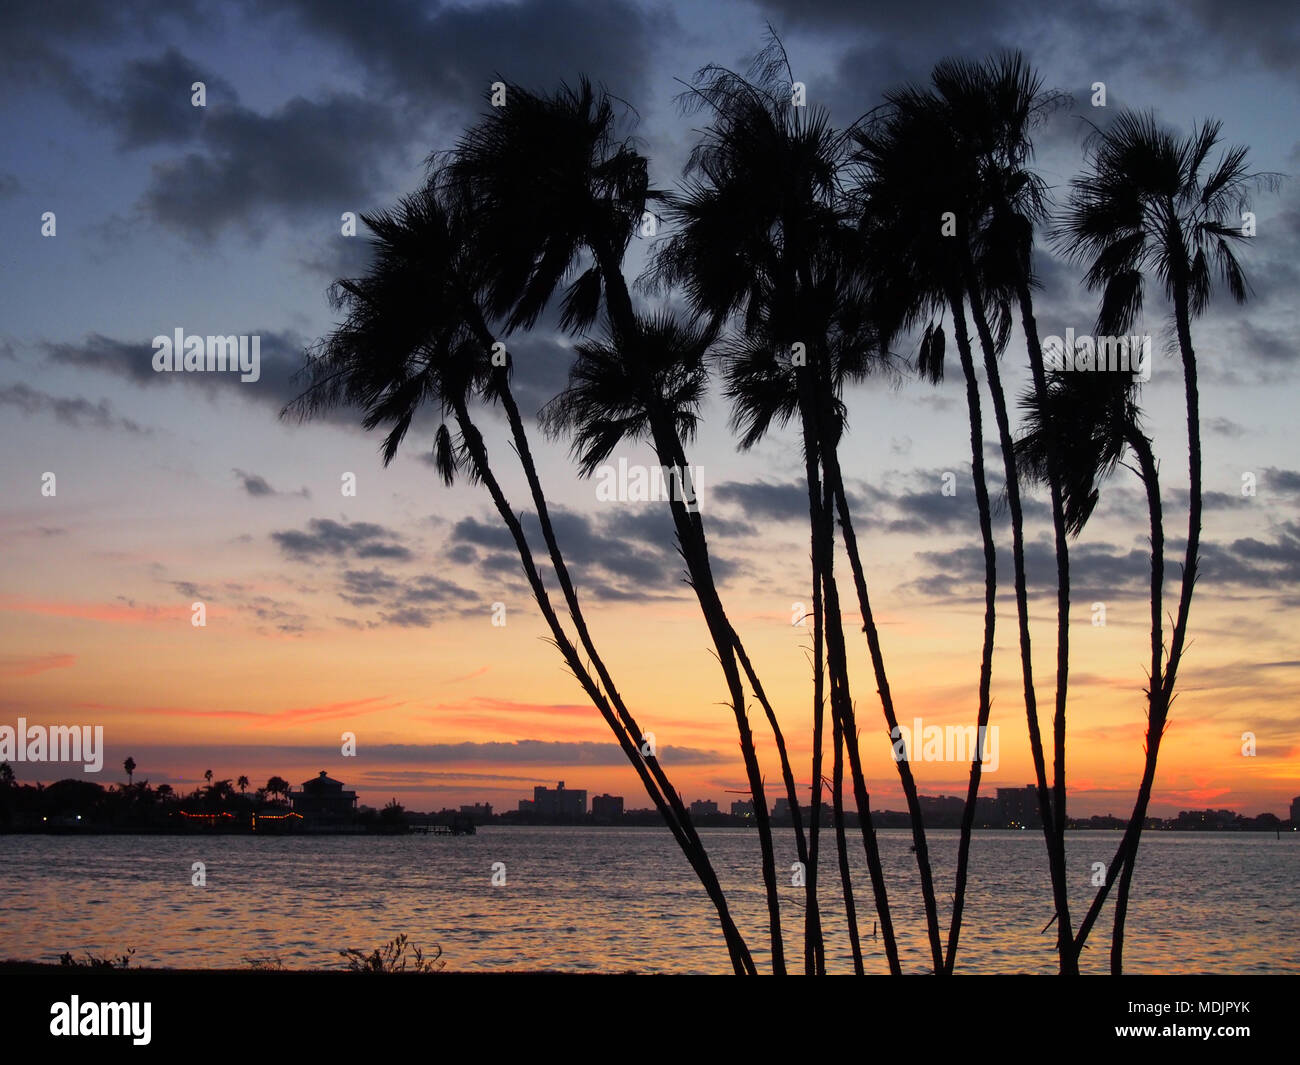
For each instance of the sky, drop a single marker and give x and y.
(372, 613)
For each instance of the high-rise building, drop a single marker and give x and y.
(480, 813)
(742, 808)
(703, 808)
(1295, 812)
(1018, 807)
(607, 807)
(559, 801)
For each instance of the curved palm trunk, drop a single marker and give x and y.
(1162, 686)
(835, 479)
(680, 822)
(1159, 704)
(742, 962)
(990, 597)
(1054, 821)
(520, 438)
(819, 718)
(846, 876)
(821, 518)
(690, 535)
(805, 845)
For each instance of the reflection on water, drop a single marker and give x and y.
(617, 899)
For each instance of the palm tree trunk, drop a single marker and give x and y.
(814, 950)
(742, 962)
(1056, 821)
(821, 516)
(990, 601)
(520, 437)
(690, 535)
(835, 480)
(680, 821)
(1155, 718)
(819, 726)
(846, 876)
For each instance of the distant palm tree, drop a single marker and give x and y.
(243, 784)
(1153, 203)
(208, 777)
(129, 766)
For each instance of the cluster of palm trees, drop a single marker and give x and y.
(801, 256)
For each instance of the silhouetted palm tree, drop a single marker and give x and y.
(764, 241)
(243, 784)
(551, 189)
(129, 766)
(416, 335)
(1153, 203)
(648, 385)
(909, 178)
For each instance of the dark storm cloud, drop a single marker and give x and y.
(74, 411)
(325, 537)
(903, 39)
(307, 156)
(151, 102)
(449, 55)
(37, 32)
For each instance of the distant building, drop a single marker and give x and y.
(479, 814)
(527, 806)
(323, 799)
(607, 807)
(559, 801)
(1295, 812)
(1018, 807)
(703, 808)
(742, 808)
(781, 810)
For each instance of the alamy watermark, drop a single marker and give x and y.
(626, 483)
(946, 743)
(56, 743)
(1088, 353)
(193, 354)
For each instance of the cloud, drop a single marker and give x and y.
(766, 500)
(451, 54)
(627, 553)
(256, 485)
(325, 538)
(152, 101)
(306, 156)
(72, 411)
(282, 359)
(19, 665)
